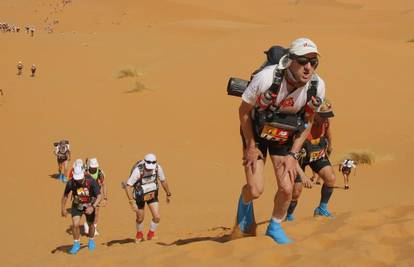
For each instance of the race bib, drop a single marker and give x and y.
(275, 134)
(149, 191)
(149, 196)
(315, 155)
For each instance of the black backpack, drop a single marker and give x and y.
(236, 86)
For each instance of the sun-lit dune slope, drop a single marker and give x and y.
(181, 54)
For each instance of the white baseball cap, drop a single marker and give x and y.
(93, 163)
(78, 162)
(303, 46)
(78, 173)
(150, 161)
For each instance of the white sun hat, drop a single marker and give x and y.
(150, 161)
(78, 162)
(78, 173)
(303, 46)
(93, 163)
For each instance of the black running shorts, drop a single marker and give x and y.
(74, 211)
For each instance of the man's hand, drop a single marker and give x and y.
(103, 202)
(307, 183)
(89, 210)
(63, 212)
(290, 167)
(133, 205)
(250, 157)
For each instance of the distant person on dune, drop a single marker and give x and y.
(318, 147)
(33, 70)
(98, 175)
(19, 68)
(62, 152)
(276, 115)
(86, 198)
(142, 187)
(346, 167)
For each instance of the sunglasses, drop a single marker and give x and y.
(151, 162)
(302, 60)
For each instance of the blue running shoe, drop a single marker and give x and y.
(60, 176)
(75, 248)
(322, 212)
(245, 215)
(64, 179)
(289, 218)
(275, 231)
(91, 244)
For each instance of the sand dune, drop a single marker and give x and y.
(185, 51)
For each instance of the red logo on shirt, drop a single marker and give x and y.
(288, 102)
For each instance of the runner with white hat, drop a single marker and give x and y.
(142, 187)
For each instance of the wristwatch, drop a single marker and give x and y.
(295, 155)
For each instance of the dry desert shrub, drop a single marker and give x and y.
(361, 157)
(139, 87)
(128, 72)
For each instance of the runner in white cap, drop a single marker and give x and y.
(86, 197)
(346, 167)
(142, 187)
(277, 92)
(93, 169)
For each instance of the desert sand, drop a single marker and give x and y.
(183, 52)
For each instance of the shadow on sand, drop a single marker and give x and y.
(119, 241)
(65, 249)
(228, 236)
(54, 175)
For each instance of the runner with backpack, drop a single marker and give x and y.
(86, 196)
(142, 187)
(276, 115)
(62, 153)
(346, 167)
(317, 147)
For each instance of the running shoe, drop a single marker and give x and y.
(245, 215)
(322, 212)
(275, 231)
(346, 187)
(75, 248)
(150, 235)
(139, 236)
(91, 244)
(289, 218)
(64, 179)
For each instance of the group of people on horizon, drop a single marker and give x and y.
(7, 27)
(85, 182)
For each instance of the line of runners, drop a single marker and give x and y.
(85, 184)
(269, 106)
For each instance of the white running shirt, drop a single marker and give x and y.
(291, 103)
(148, 176)
(348, 163)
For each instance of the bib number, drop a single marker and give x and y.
(275, 134)
(149, 196)
(315, 155)
(149, 191)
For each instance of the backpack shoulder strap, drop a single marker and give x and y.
(313, 88)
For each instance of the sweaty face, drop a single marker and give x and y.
(303, 67)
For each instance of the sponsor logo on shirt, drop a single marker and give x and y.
(288, 102)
